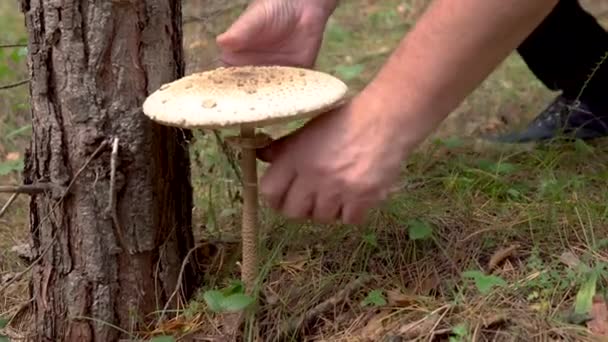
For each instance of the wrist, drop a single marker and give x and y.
(402, 113)
(328, 6)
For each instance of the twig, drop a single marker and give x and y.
(14, 85)
(6, 46)
(29, 189)
(227, 153)
(19, 275)
(179, 279)
(10, 202)
(48, 215)
(327, 304)
(112, 205)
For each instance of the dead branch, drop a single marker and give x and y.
(112, 205)
(8, 46)
(179, 279)
(48, 215)
(10, 202)
(14, 85)
(29, 189)
(228, 154)
(20, 275)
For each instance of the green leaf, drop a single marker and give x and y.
(349, 72)
(483, 282)
(8, 167)
(213, 299)
(460, 330)
(236, 286)
(4, 338)
(584, 297)
(236, 302)
(3, 322)
(162, 338)
(375, 298)
(419, 230)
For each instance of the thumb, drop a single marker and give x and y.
(243, 30)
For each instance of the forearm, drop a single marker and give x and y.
(452, 49)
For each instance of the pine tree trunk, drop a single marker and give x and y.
(92, 64)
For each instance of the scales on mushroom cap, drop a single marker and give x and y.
(245, 97)
(253, 96)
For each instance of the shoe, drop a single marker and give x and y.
(564, 118)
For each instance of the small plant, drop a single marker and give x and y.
(230, 299)
(484, 283)
(460, 333)
(419, 230)
(374, 298)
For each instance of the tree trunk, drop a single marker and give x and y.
(92, 64)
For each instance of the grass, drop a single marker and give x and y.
(483, 242)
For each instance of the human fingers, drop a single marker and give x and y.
(266, 57)
(275, 183)
(299, 199)
(327, 207)
(247, 26)
(355, 212)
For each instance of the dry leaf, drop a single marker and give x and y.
(399, 299)
(12, 156)
(375, 328)
(570, 259)
(507, 267)
(598, 325)
(501, 254)
(495, 319)
(429, 284)
(413, 330)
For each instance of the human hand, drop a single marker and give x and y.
(277, 32)
(336, 167)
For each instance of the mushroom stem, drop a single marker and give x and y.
(250, 210)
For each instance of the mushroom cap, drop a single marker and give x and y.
(252, 96)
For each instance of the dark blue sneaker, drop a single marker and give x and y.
(563, 118)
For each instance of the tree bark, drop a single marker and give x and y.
(92, 64)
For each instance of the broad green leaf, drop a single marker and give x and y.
(375, 298)
(3, 322)
(236, 302)
(349, 72)
(584, 297)
(235, 287)
(483, 282)
(213, 299)
(419, 230)
(4, 338)
(163, 338)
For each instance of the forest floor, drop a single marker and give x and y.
(485, 242)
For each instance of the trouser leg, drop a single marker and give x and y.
(564, 49)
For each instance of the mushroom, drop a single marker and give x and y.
(245, 97)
